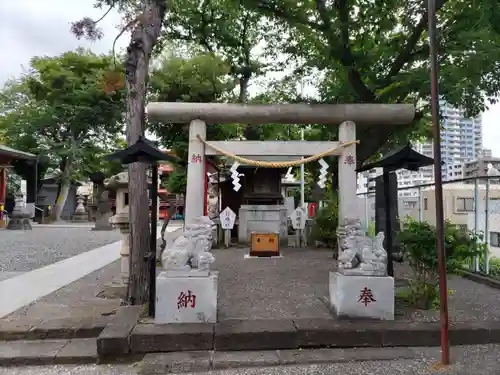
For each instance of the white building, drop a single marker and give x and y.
(366, 180)
(455, 171)
(461, 137)
(461, 141)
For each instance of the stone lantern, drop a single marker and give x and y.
(80, 214)
(19, 219)
(121, 220)
(119, 184)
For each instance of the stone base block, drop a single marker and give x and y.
(186, 299)
(102, 222)
(186, 273)
(80, 217)
(16, 223)
(362, 296)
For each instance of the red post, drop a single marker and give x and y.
(205, 198)
(3, 185)
(3, 194)
(443, 287)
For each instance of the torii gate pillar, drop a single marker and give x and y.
(195, 189)
(347, 172)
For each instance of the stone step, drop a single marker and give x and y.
(303, 333)
(48, 352)
(201, 361)
(69, 328)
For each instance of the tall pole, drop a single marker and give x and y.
(388, 221)
(152, 241)
(443, 288)
(302, 178)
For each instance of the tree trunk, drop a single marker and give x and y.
(64, 188)
(143, 38)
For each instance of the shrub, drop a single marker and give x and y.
(326, 222)
(495, 268)
(418, 244)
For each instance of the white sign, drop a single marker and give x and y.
(227, 218)
(298, 218)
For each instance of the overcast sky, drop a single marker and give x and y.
(33, 28)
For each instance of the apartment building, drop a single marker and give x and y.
(479, 167)
(458, 202)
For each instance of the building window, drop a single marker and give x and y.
(495, 239)
(425, 204)
(464, 204)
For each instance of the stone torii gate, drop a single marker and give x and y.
(346, 116)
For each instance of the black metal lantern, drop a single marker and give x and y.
(403, 158)
(146, 151)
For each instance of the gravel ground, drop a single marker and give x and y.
(469, 301)
(272, 288)
(23, 251)
(467, 360)
(295, 286)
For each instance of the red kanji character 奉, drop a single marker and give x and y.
(366, 296)
(349, 159)
(186, 300)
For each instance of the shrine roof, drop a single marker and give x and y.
(15, 154)
(143, 150)
(402, 158)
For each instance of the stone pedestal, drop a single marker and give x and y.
(262, 218)
(186, 298)
(362, 296)
(19, 223)
(102, 221)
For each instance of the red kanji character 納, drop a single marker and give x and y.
(186, 300)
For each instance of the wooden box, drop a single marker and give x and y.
(265, 244)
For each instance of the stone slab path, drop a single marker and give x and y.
(64, 289)
(75, 301)
(21, 290)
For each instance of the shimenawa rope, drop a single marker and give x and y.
(270, 164)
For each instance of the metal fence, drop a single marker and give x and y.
(472, 204)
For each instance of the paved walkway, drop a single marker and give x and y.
(467, 360)
(19, 291)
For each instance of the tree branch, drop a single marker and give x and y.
(346, 57)
(127, 26)
(204, 40)
(406, 53)
(106, 13)
(286, 16)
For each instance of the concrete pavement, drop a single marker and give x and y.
(25, 288)
(479, 359)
